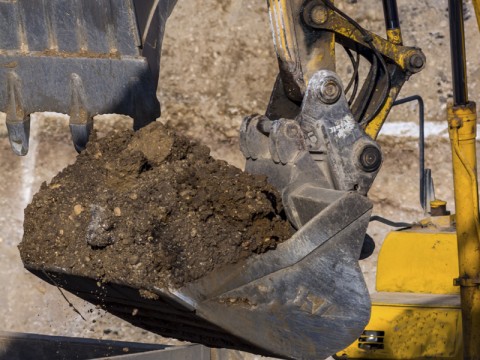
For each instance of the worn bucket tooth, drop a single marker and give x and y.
(19, 134)
(81, 121)
(18, 124)
(80, 135)
(142, 109)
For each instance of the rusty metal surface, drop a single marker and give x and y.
(95, 27)
(110, 84)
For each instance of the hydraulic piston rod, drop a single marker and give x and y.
(462, 121)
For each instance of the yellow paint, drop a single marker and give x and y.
(476, 6)
(373, 127)
(415, 311)
(278, 31)
(420, 262)
(285, 28)
(412, 332)
(396, 53)
(437, 203)
(395, 36)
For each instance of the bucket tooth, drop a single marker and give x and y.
(18, 124)
(142, 110)
(81, 121)
(19, 134)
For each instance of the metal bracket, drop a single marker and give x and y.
(465, 281)
(353, 157)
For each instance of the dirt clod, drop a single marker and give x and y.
(155, 209)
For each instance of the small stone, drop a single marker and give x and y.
(133, 196)
(117, 212)
(193, 233)
(246, 244)
(186, 194)
(134, 312)
(133, 260)
(60, 232)
(78, 209)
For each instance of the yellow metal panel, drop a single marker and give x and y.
(423, 262)
(412, 332)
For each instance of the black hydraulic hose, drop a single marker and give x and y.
(371, 78)
(390, 222)
(355, 68)
(355, 78)
(421, 141)
(457, 51)
(390, 11)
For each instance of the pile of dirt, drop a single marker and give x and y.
(150, 207)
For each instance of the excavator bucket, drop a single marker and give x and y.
(305, 300)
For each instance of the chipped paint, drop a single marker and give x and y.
(344, 127)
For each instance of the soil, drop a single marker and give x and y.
(150, 208)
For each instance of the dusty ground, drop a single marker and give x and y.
(219, 65)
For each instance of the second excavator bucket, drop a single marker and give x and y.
(80, 58)
(305, 300)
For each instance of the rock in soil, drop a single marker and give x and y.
(150, 208)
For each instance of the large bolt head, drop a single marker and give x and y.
(416, 62)
(370, 158)
(330, 91)
(318, 14)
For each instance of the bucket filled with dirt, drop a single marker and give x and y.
(150, 209)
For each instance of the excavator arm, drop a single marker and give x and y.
(305, 34)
